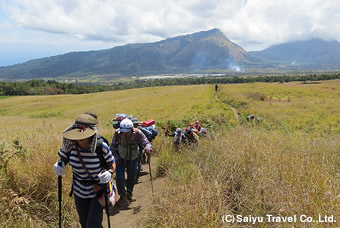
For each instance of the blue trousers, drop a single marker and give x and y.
(90, 212)
(131, 168)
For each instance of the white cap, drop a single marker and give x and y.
(126, 125)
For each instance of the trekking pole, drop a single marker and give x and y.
(107, 209)
(149, 161)
(59, 193)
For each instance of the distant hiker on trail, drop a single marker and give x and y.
(254, 120)
(216, 87)
(125, 146)
(81, 148)
(250, 118)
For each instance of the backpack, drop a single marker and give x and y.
(116, 124)
(153, 130)
(146, 132)
(154, 133)
(118, 119)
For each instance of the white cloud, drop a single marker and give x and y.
(252, 24)
(137, 21)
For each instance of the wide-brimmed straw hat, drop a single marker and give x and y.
(82, 127)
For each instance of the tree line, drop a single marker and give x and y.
(52, 87)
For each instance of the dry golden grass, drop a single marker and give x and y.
(38, 121)
(244, 170)
(250, 171)
(309, 108)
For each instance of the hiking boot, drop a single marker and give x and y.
(123, 202)
(129, 197)
(136, 181)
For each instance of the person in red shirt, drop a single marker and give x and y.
(197, 126)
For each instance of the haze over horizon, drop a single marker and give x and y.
(30, 30)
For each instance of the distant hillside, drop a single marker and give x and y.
(314, 52)
(185, 54)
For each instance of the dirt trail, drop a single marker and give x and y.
(232, 108)
(143, 194)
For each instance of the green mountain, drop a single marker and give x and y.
(183, 54)
(190, 53)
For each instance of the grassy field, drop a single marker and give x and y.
(287, 165)
(292, 107)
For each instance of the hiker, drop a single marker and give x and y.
(251, 118)
(80, 149)
(118, 119)
(179, 138)
(191, 136)
(204, 133)
(216, 87)
(136, 124)
(141, 156)
(191, 127)
(259, 120)
(125, 146)
(197, 126)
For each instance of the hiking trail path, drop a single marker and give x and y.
(232, 108)
(142, 192)
(132, 217)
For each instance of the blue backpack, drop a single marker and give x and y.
(154, 133)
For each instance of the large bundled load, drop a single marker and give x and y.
(151, 127)
(148, 123)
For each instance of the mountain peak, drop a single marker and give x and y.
(212, 32)
(186, 53)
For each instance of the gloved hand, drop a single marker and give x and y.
(104, 177)
(59, 168)
(148, 151)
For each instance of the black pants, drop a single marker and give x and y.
(90, 212)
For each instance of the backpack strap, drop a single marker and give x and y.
(136, 130)
(84, 166)
(99, 151)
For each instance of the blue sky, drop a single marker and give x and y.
(41, 28)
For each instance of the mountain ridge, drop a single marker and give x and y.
(313, 51)
(189, 53)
